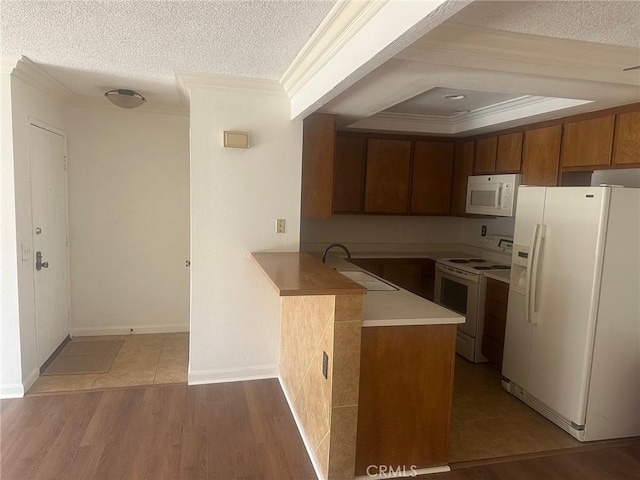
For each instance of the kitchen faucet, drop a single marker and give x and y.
(346, 250)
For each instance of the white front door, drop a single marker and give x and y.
(47, 152)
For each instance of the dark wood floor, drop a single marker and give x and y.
(615, 461)
(222, 431)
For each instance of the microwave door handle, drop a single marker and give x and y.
(499, 197)
(527, 290)
(534, 275)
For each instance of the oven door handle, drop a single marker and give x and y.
(451, 273)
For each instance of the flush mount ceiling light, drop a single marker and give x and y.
(454, 96)
(125, 98)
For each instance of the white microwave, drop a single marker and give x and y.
(492, 195)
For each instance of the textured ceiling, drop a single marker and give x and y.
(93, 46)
(604, 21)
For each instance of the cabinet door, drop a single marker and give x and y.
(587, 143)
(348, 174)
(387, 178)
(541, 155)
(495, 317)
(404, 274)
(317, 165)
(462, 169)
(431, 179)
(369, 264)
(509, 154)
(626, 142)
(485, 158)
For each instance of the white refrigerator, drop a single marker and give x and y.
(572, 340)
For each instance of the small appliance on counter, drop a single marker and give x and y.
(460, 286)
(494, 195)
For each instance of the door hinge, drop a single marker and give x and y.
(65, 162)
(67, 242)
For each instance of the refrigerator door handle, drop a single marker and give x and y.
(527, 290)
(534, 274)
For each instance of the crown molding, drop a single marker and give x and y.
(35, 76)
(189, 81)
(8, 63)
(343, 21)
(510, 110)
(477, 47)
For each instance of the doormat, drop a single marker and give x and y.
(95, 356)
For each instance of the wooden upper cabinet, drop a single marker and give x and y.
(626, 141)
(541, 155)
(509, 153)
(431, 179)
(348, 174)
(485, 158)
(462, 169)
(587, 143)
(317, 165)
(388, 167)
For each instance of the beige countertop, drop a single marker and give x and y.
(433, 255)
(296, 273)
(398, 307)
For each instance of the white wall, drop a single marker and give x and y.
(399, 230)
(236, 197)
(128, 220)
(10, 365)
(625, 177)
(26, 102)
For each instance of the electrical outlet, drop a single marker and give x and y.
(325, 365)
(280, 225)
(484, 231)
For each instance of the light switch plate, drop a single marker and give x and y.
(26, 251)
(280, 225)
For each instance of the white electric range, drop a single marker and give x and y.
(460, 286)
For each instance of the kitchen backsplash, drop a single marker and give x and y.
(362, 229)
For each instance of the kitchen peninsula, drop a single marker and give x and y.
(369, 384)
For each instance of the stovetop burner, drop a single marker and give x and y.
(501, 267)
(467, 260)
(480, 267)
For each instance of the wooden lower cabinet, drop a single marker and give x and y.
(495, 319)
(416, 275)
(406, 388)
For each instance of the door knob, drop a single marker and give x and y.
(39, 263)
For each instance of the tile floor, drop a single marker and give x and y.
(488, 422)
(142, 360)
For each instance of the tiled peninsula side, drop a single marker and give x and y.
(321, 313)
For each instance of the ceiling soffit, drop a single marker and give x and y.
(463, 57)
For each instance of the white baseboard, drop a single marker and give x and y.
(397, 471)
(298, 424)
(233, 374)
(31, 379)
(137, 330)
(17, 390)
(11, 390)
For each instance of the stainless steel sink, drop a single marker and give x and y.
(370, 282)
